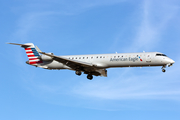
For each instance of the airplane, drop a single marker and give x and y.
(93, 64)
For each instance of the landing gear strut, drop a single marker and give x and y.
(78, 73)
(163, 70)
(89, 76)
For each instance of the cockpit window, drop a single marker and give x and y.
(160, 55)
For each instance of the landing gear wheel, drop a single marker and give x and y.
(90, 77)
(163, 70)
(78, 73)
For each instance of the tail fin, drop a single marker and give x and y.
(32, 53)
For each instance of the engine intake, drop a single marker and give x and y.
(46, 58)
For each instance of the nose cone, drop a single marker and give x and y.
(172, 61)
(169, 61)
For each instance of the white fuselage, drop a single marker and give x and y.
(95, 64)
(116, 60)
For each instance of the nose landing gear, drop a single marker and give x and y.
(163, 69)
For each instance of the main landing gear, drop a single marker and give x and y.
(89, 76)
(78, 73)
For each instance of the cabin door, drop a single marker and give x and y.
(148, 58)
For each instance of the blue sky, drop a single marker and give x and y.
(89, 27)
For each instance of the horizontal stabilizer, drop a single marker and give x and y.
(22, 45)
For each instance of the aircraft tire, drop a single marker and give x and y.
(163, 70)
(78, 73)
(90, 77)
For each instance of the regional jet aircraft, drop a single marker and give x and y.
(95, 64)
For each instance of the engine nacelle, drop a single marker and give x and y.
(46, 58)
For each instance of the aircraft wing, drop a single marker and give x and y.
(78, 65)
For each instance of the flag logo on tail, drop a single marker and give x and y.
(33, 56)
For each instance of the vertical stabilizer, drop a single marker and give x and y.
(32, 54)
